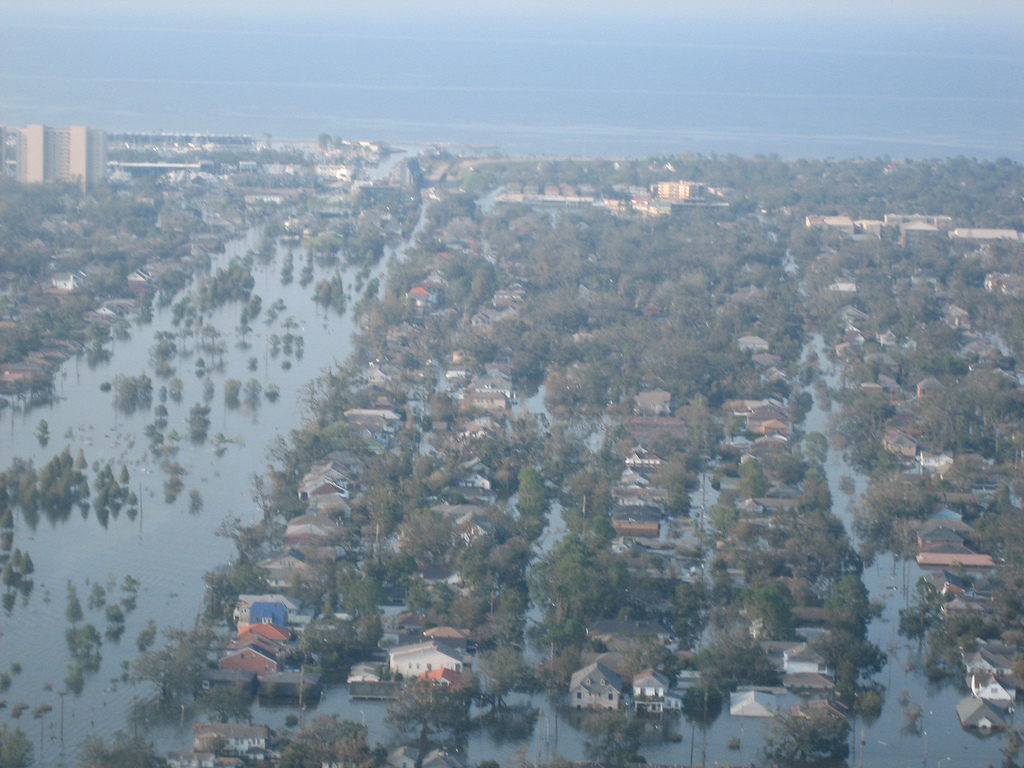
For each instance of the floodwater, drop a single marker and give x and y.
(165, 547)
(168, 549)
(887, 741)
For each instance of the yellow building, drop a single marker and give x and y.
(678, 190)
(77, 154)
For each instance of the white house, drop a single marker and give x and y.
(649, 690)
(992, 688)
(417, 658)
(238, 738)
(752, 704)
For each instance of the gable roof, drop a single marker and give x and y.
(595, 677)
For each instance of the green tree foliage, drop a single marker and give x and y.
(818, 740)
(123, 751)
(690, 608)
(734, 658)
(428, 715)
(132, 393)
(331, 293)
(198, 422)
(505, 671)
(330, 740)
(846, 648)
(614, 736)
(15, 748)
(772, 603)
(73, 613)
(578, 581)
(226, 703)
(232, 283)
(173, 668)
(336, 645)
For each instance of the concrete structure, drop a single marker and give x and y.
(77, 154)
(678, 190)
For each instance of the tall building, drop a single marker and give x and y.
(678, 190)
(77, 154)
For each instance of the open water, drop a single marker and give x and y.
(803, 79)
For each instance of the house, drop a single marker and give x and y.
(325, 479)
(990, 657)
(927, 387)
(808, 681)
(447, 678)
(69, 281)
(231, 678)
(237, 738)
(934, 462)
(653, 402)
(956, 317)
(290, 685)
(194, 759)
(752, 344)
(802, 658)
(425, 295)
(416, 658)
(952, 555)
(440, 758)
(843, 286)
(267, 612)
(842, 223)
(403, 757)
(595, 686)
(492, 402)
(254, 656)
(609, 631)
(311, 529)
(459, 638)
(283, 569)
(900, 443)
(245, 602)
(978, 713)
(753, 704)
(999, 689)
(850, 314)
(641, 457)
(968, 233)
(634, 520)
(649, 689)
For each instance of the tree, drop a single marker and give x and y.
(533, 498)
(773, 604)
(814, 740)
(198, 422)
(924, 613)
(430, 715)
(689, 612)
(753, 482)
(614, 736)
(124, 752)
(736, 659)
(328, 740)
(73, 612)
(174, 668)
(15, 748)
(226, 703)
(506, 671)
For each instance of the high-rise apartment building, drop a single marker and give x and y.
(678, 190)
(77, 154)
